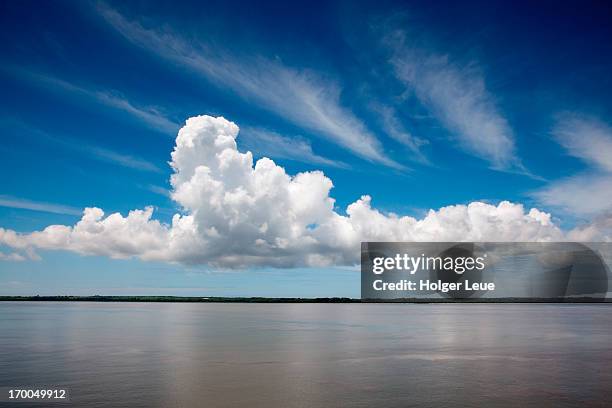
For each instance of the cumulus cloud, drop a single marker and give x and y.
(457, 96)
(241, 213)
(589, 193)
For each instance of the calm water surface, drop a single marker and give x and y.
(310, 355)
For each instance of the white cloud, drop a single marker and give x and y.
(264, 142)
(113, 236)
(589, 193)
(237, 213)
(14, 202)
(300, 96)
(457, 96)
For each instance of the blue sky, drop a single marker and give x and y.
(420, 106)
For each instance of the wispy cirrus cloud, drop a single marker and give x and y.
(124, 160)
(12, 256)
(157, 190)
(152, 117)
(264, 142)
(588, 193)
(25, 204)
(301, 97)
(586, 138)
(95, 152)
(394, 128)
(458, 98)
(583, 195)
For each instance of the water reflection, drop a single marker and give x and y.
(310, 354)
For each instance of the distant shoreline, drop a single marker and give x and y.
(217, 299)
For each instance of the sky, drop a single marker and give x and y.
(126, 130)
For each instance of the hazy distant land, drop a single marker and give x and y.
(222, 299)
